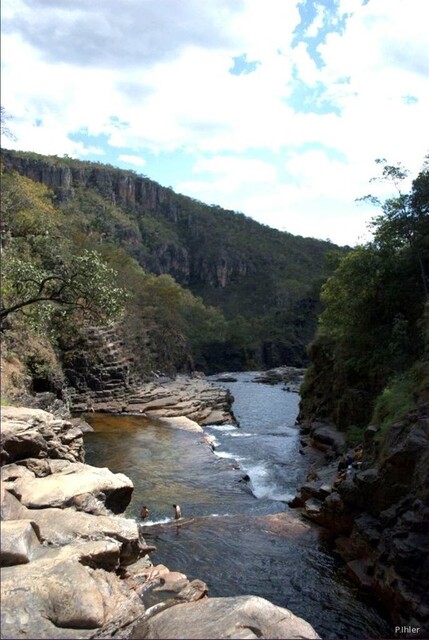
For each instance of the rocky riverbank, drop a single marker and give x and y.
(291, 377)
(194, 398)
(378, 511)
(73, 567)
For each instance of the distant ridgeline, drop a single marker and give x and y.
(255, 290)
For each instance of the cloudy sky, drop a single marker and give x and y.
(275, 108)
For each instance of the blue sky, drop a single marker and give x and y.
(277, 109)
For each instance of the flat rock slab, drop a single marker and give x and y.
(240, 617)
(63, 526)
(75, 480)
(181, 422)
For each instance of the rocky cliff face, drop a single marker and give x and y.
(201, 246)
(380, 513)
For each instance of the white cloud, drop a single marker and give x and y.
(73, 66)
(130, 159)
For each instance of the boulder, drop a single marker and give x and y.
(59, 597)
(325, 436)
(71, 485)
(10, 506)
(19, 540)
(34, 433)
(240, 617)
(63, 526)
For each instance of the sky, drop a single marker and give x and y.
(274, 108)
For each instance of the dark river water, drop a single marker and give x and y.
(229, 536)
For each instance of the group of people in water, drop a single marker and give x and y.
(144, 512)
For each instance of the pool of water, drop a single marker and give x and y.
(237, 535)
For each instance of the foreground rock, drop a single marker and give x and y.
(240, 617)
(71, 568)
(380, 514)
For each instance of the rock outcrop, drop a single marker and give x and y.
(194, 398)
(291, 377)
(37, 433)
(379, 512)
(72, 568)
(240, 617)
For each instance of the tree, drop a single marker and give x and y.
(372, 326)
(405, 220)
(84, 282)
(5, 131)
(42, 268)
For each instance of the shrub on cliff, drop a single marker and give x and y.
(373, 324)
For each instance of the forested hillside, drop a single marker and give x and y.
(202, 282)
(369, 360)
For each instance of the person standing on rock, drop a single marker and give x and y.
(177, 512)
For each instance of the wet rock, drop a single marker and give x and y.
(241, 617)
(226, 378)
(360, 571)
(291, 376)
(381, 513)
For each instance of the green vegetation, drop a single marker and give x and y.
(369, 359)
(43, 269)
(252, 292)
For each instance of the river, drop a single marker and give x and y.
(229, 536)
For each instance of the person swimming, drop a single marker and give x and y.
(144, 512)
(177, 511)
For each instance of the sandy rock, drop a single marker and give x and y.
(34, 433)
(181, 422)
(10, 506)
(193, 398)
(216, 417)
(240, 617)
(12, 472)
(52, 595)
(77, 479)
(19, 540)
(63, 526)
(98, 554)
(64, 589)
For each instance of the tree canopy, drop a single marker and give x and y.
(42, 268)
(373, 323)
